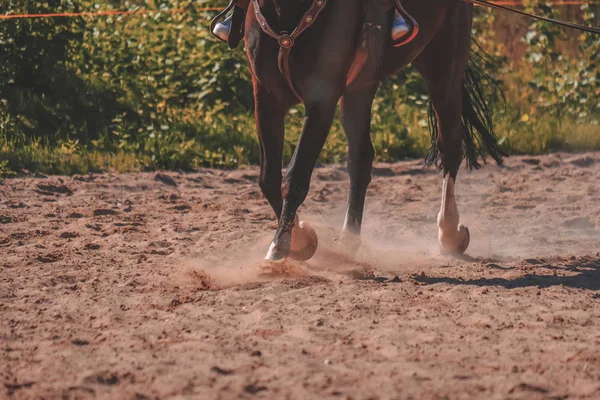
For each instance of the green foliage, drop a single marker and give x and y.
(157, 90)
(561, 85)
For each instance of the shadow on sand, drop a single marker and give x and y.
(587, 277)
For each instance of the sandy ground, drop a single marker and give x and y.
(142, 286)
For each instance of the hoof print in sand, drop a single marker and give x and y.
(103, 211)
(51, 190)
(48, 258)
(166, 179)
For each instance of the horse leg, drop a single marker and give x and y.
(270, 116)
(447, 105)
(318, 120)
(356, 120)
(453, 237)
(443, 65)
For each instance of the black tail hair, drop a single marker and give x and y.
(478, 135)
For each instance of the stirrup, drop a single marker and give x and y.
(221, 16)
(223, 29)
(231, 29)
(400, 28)
(410, 22)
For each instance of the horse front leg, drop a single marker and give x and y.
(291, 234)
(270, 116)
(356, 120)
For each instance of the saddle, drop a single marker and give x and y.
(373, 38)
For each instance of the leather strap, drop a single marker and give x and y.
(236, 34)
(286, 40)
(360, 60)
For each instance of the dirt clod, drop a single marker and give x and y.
(253, 389)
(221, 371)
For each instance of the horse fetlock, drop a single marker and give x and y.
(280, 247)
(352, 226)
(294, 239)
(455, 240)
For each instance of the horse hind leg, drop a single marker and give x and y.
(461, 121)
(453, 237)
(443, 65)
(356, 120)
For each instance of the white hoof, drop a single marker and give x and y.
(456, 244)
(304, 242)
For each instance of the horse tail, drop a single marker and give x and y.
(478, 136)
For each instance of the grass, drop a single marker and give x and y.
(551, 135)
(391, 143)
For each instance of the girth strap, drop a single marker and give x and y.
(286, 40)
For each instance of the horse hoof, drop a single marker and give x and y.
(304, 242)
(459, 244)
(463, 232)
(276, 254)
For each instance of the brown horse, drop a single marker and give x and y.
(319, 64)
